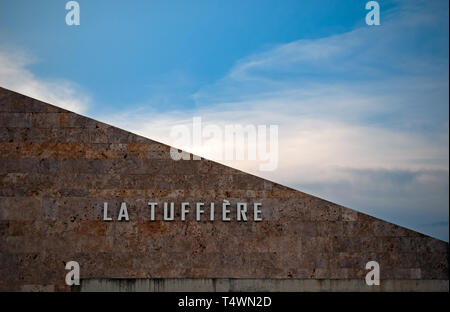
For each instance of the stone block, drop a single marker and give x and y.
(45, 120)
(15, 120)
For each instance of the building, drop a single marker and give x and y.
(58, 169)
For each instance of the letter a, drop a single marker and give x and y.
(123, 213)
(73, 277)
(73, 16)
(373, 277)
(373, 17)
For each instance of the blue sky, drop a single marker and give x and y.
(138, 47)
(362, 111)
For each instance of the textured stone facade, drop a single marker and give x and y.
(57, 169)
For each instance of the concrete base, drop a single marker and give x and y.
(258, 285)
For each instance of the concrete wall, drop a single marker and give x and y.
(258, 285)
(57, 169)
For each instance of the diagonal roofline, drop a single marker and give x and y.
(63, 110)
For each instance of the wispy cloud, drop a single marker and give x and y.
(15, 75)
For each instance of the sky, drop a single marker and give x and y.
(362, 111)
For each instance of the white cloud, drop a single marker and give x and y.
(15, 75)
(397, 175)
(306, 143)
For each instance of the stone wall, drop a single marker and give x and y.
(57, 169)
